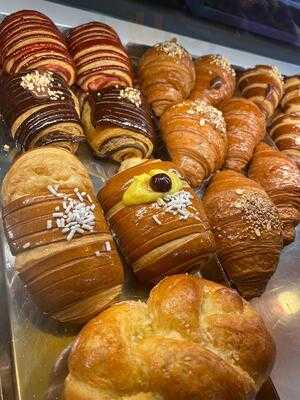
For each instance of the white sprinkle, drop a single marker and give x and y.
(49, 224)
(97, 253)
(71, 235)
(76, 190)
(57, 214)
(155, 218)
(89, 198)
(65, 230)
(58, 223)
(83, 194)
(79, 196)
(26, 245)
(57, 208)
(107, 246)
(93, 207)
(52, 190)
(87, 227)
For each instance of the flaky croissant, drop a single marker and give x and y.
(166, 74)
(280, 177)
(245, 127)
(195, 135)
(290, 102)
(247, 230)
(215, 79)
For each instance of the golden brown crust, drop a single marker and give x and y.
(280, 177)
(192, 332)
(247, 230)
(195, 136)
(245, 128)
(290, 102)
(167, 75)
(215, 79)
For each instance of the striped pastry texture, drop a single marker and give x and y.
(99, 57)
(290, 102)
(154, 242)
(30, 40)
(262, 84)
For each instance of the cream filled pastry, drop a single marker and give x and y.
(39, 109)
(118, 124)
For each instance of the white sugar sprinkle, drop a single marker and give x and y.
(26, 245)
(178, 204)
(97, 253)
(156, 219)
(107, 246)
(49, 224)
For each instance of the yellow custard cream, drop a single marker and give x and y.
(140, 192)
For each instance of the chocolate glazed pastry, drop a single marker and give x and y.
(56, 229)
(30, 40)
(40, 109)
(100, 58)
(118, 124)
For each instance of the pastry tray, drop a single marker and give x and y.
(34, 349)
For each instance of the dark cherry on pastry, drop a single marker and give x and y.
(40, 109)
(290, 103)
(262, 84)
(118, 124)
(100, 58)
(215, 79)
(30, 40)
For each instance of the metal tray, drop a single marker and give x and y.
(33, 348)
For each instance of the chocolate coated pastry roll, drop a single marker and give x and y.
(195, 135)
(40, 109)
(247, 230)
(290, 103)
(263, 85)
(118, 124)
(166, 75)
(30, 40)
(100, 58)
(157, 219)
(245, 127)
(215, 79)
(56, 229)
(280, 177)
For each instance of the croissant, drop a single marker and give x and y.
(100, 58)
(157, 219)
(247, 230)
(192, 339)
(166, 75)
(263, 85)
(195, 135)
(245, 127)
(285, 132)
(56, 229)
(118, 124)
(280, 178)
(290, 103)
(30, 40)
(215, 79)
(40, 109)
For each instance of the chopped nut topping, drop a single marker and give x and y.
(210, 114)
(171, 47)
(131, 94)
(40, 84)
(223, 63)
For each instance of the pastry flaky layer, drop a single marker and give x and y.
(64, 250)
(193, 339)
(195, 136)
(290, 102)
(99, 56)
(215, 79)
(40, 109)
(280, 177)
(166, 75)
(245, 128)
(247, 230)
(30, 40)
(118, 124)
(262, 84)
(157, 238)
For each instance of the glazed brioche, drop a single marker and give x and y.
(247, 230)
(64, 251)
(280, 177)
(192, 332)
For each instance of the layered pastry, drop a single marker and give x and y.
(280, 177)
(118, 124)
(262, 84)
(215, 79)
(195, 135)
(100, 58)
(40, 109)
(192, 339)
(30, 40)
(285, 132)
(56, 229)
(247, 230)
(157, 219)
(246, 127)
(166, 75)
(290, 102)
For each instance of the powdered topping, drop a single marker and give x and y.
(277, 73)
(179, 203)
(208, 114)
(40, 84)
(257, 211)
(171, 47)
(131, 94)
(222, 62)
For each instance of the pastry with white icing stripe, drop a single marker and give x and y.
(290, 102)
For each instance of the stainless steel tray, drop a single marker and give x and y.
(33, 349)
